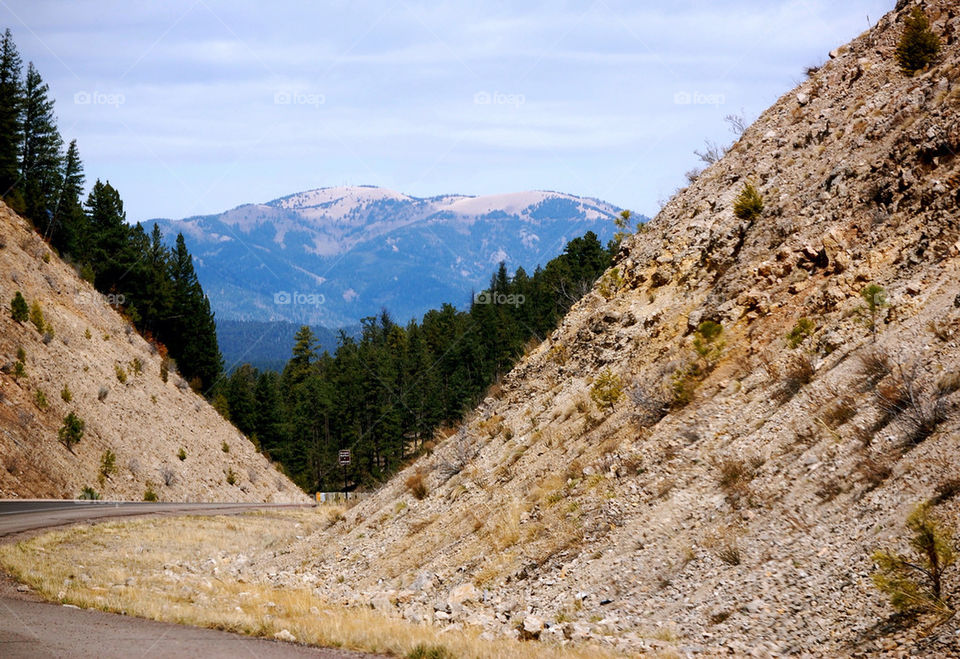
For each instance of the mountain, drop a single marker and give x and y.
(333, 256)
(703, 457)
(88, 361)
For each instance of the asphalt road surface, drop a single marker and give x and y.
(30, 627)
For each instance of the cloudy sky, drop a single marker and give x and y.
(196, 106)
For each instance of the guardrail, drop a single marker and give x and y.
(339, 497)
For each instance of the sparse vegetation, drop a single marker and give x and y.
(708, 346)
(89, 494)
(121, 374)
(804, 328)
(916, 582)
(102, 393)
(607, 390)
(149, 494)
(919, 409)
(181, 454)
(919, 45)
(36, 316)
(875, 298)
(71, 432)
(108, 465)
(225, 447)
(416, 485)
(66, 394)
(749, 204)
(798, 372)
(40, 400)
(231, 477)
(610, 283)
(19, 310)
(136, 366)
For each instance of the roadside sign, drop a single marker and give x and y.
(344, 457)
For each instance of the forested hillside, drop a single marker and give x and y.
(386, 393)
(155, 287)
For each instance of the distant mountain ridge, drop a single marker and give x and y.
(335, 255)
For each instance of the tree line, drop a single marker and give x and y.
(384, 394)
(156, 287)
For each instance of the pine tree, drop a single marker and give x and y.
(109, 235)
(11, 129)
(68, 230)
(40, 160)
(919, 45)
(19, 310)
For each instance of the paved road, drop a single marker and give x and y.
(32, 628)
(17, 515)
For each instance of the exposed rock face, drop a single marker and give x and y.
(143, 421)
(730, 501)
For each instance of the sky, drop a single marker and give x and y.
(196, 106)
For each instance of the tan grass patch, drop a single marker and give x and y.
(188, 570)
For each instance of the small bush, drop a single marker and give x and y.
(919, 45)
(19, 310)
(915, 582)
(149, 494)
(89, 494)
(108, 465)
(804, 328)
(136, 366)
(416, 485)
(40, 400)
(170, 477)
(749, 204)
(231, 477)
(840, 411)
(36, 316)
(102, 393)
(121, 374)
(225, 447)
(71, 431)
(798, 373)
(21, 354)
(164, 369)
(874, 366)
(19, 370)
(876, 299)
(610, 283)
(66, 394)
(917, 409)
(607, 390)
(86, 334)
(181, 454)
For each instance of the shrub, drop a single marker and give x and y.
(19, 370)
(121, 374)
(19, 310)
(231, 477)
(804, 328)
(36, 316)
(181, 454)
(423, 651)
(108, 464)
(136, 366)
(610, 283)
(916, 409)
(89, 494)
(21, 354)
(170, 476)
(416, 485)
(87, 334)
(66, 394)
(149, 494)
(40, 400)
(707, 342)
(71, 431)
(798, 373)
(915, 582)
(876, 298)
(919, 45)
(164, 369)
(225, 447)
(607, 389)
(102, 393)
(874, 366)
(749, 204)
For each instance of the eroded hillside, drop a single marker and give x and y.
(89, 361)
(732, 498)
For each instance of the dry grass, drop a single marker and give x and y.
(188, 570)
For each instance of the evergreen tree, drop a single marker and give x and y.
(19, 310)
(68, 230)
(919, 45)
(11, 129)
(109, 236)
(40, 160)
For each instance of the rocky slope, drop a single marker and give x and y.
(733, 511)
(76, 365)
